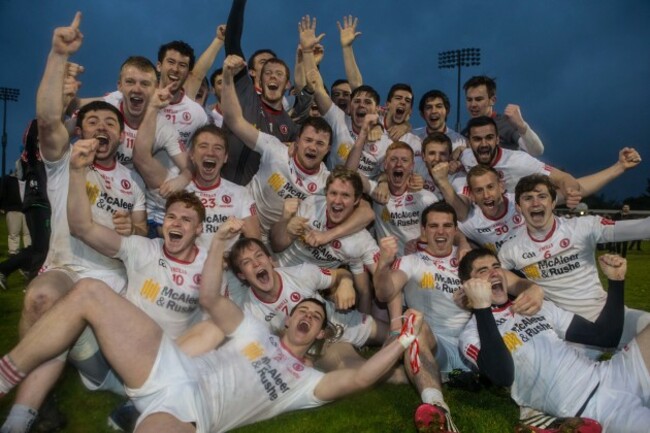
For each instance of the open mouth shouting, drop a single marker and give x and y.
(102, 138)
(136, 102)
(400, 115)
(209, 165)
(484, 154)
(263, 277)
(304, 326)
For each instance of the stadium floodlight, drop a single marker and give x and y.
(6, 94)
(464, 57)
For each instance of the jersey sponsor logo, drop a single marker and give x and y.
(559, 265)
(512, 341)
(385, 215)
(565, 243)
(524, 329)
(344, 150)
(92, 191)
(253, 351)
(532, 272)
(150, 290)
(162, 263)
(486, 230)
(427, 281)
(270, 377)
(295, 296)
(336, 244)
(276, 181)
(110, 203)
(283, 187)
(125, 184)
(607, 222)
(528, 255)
(226, 199)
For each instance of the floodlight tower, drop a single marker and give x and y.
(6, 94)
(457, 59)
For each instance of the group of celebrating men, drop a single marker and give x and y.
(214, 266)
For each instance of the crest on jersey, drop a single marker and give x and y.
(409, 197)
(336, 244)
(295, 296)
(284, 129)
(564, 243)
(311, 187)
(517, 219)
(298, 366)
(125, 184)
(226, 199)
(197, 279)
(454, 262)
(187, 116)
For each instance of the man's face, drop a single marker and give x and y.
(478, 102)
(274, 82)
(487, 192)
(341, 96)
(398, 166)
(484, 140)
(360, 105)
(208, 155)
(400, 106)
(174, 69)
(256, 268)
(537, 206)
(104, 126)
(181, 226)
(304, 326)
(341, 201)
(435, 153)
(489, 269)
(311, 148)
(258, 63)
(218, 86)
(626, 208)
(435, 114)
(137, 86)
(439, 231)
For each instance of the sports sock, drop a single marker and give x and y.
(20, 419)
(9, 375)
(434, 396)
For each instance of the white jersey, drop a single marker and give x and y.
(217, 117)
(305, 281)
(221, 201)
(400, 217)
(356, 250)
(457, 139)
(564, 263)
(186, 116)
(414, 142)
(166, 140)
(432, 282)
(511, 165)
(492, 233)
(371, 163)
(457, 180)
(342, 140)
(252, 369)
(166, 289)
(550, 375)
(281, 177)
(109, 190)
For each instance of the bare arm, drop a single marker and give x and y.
(388, 282)
(80, 220)
(348, 32)
(528, 139)
(529, 296)
(53, 137)
(251, 227)
(440, 176)
(342, 289)
(289, 228)
(358, 220)
(232, 113)
(568, 185)
(203, 63)
(628, 158)
(315, 82)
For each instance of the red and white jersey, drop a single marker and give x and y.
(165, 288)
(109, 190)
(222, 201)
(166, 140)
(457, 139)
(280, 177)
(414, 142)
(373, 154)
(550, 375)
(432, 282)
(511, 165)
(492, 233)
(458, 180)
(342, 139)
(305, 281)
(255, 371)
(356, 250)
(400, 217)
(186, 116)
(563, 263)
(217, 117)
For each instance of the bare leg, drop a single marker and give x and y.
(164, 423)
(429, 374)
(91, 302)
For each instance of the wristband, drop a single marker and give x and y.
(406, 339)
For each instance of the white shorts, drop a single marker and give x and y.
(172, 387)
(350, 326)
(448, 355)
(115, 279)
(620, 403)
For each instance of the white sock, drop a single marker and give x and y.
(9, 375)
(434, 396)
(20, 419)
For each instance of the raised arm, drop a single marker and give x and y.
(204, 63)
(101, 238)
(388, 282)
(568, 185)
(308, 41)
(354, 157)
(53, 136)
(315, 84)
(628, 158)
(528, 140)
(348, 32)
(461, 204)
(223, 312)
(235, 28)
(232, 113)
(289, 228)
(342, 290)
(360, 218)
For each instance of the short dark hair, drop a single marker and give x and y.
(314, 301)
(251, 59)
(466, 263)
(400, 86)
(319, 124)
(210, 128)
(477, 122)
(482, 80)
(213, 77)
(347, 175)
(366, 89)
(339, 82)
(189, 199)
(437, 137)
(239, 247)
(99, 106)
(438, 207)
(182, 47)
(433, 94)
(528, 183)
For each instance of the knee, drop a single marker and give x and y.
(89, 290)
(39, 298)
